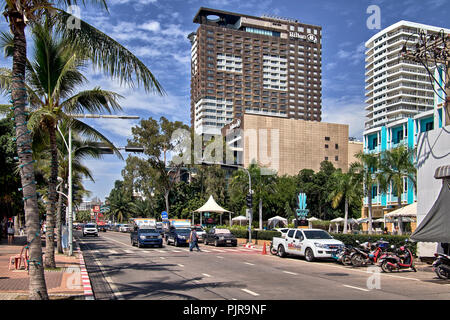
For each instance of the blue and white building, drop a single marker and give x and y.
(401, 103)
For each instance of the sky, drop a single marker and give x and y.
(156, 32)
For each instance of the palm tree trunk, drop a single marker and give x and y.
(51, 206)
(369, 207)
(37, 286)
(166, 198)
(260, 214)
(399, 202)
(58, 224)
(346, 215)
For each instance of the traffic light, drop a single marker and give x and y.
(249, 199)
(134, 149)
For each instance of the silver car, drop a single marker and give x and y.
(90, 229)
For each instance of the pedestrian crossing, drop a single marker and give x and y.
(177, 250)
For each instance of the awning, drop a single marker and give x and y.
(442, 172)
(239, 218)
(277, 219)
(406, 211)
(435, 227)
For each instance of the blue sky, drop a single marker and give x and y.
(156, 31)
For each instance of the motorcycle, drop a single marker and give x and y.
(273, 250)
(367, 254)
(401, 258)
(441, 266)
(343, 255)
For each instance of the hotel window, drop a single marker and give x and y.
(327, 138)
(336, 158)
(336, 146)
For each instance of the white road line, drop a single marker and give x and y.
(177, 251)
(293, 273)
(160, 251)
(128, 251)
(355, 288)
(181, 265)
(112, 251)
(250, 264)
(206, 275)
(250, 292)
(218, 250)
(162, 258)
(220, 257)
(205, 250)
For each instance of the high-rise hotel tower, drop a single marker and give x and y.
(255, 65)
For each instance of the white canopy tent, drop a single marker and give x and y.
(240, 219)
(311, 220)
(404, 214)
(211, 206)
(277, 219)
(337, 221)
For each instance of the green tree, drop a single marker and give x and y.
(367, 172)
(119, 202)
(396, 165)
(346, 187)
(104, 52)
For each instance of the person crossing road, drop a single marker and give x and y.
(193, 240)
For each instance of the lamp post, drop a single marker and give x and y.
(69, 149)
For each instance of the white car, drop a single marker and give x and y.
(309, 243)
(283, 231)
(90, 229)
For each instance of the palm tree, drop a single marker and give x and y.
(52, 78)
(367, 172)
(104, 52)
(396, 165)
(119, 202)
(347, 188)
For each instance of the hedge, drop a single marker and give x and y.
(397, 240)
(242, 232)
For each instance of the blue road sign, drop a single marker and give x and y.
(164, 215)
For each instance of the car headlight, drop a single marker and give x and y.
(319, 245)
(142, 237)
(182, 237)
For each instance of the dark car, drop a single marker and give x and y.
(220, 237)
(102, 228)
(178, 236)
(146, 237)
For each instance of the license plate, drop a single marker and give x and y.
(228, 241)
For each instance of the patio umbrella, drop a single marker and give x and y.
(311, 220)
(277, 219)
(240, 219)
(337, 221)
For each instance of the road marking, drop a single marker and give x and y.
(160, 251)
(181, 265)
(250, 292)
(162, 258)
(128, 251)
(355, 288)
(293, 273)
(176, 251)
(206, 275)
(218, 250)
(205, 250)
(250, 264)
(220, 257)
(112, 251)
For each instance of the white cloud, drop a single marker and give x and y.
(153, 26)
(346, 110)
(355, 56)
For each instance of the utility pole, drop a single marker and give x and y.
(69, 149)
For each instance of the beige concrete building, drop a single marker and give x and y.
(287, 145)
(353, 148)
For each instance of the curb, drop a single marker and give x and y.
(249, 246)
(88, 294)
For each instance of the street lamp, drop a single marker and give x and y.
(69, 149)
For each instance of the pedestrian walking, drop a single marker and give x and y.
(193, 240)
(10, 231)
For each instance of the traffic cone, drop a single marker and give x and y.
(264, 249)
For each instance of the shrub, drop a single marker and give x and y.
(396, 240)
(242, 232)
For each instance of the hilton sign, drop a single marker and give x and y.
(309, 37)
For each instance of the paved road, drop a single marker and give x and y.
(121, 271)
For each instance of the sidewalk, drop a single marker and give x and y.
(65, 282)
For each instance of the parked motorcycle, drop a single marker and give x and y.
(273, 250)
(344, 255)
(442, 266)
(368, 253)
(401, 258)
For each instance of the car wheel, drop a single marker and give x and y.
(216, 244)
(309, 255)
(281, 252)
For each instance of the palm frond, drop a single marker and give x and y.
(94, 101)
(5, 80)
(108, 55)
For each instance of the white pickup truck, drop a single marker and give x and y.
(309, 243)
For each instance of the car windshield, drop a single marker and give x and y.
(182, 230)
(317, 234)
(198, 229)
(90, 226)
(222, 231)
(148, 231)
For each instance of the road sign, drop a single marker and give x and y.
(164, 215)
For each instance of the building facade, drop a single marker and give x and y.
(242, 64)
(396, 88)
(286, 146)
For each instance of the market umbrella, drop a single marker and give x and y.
(240, 219)
(211, 206)
(311, 220)
(277, 219)
(337, 221)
